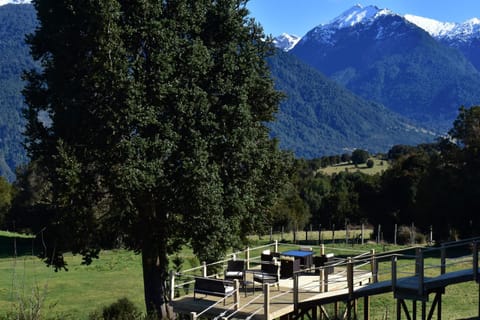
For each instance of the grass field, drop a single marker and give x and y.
(378, 167)
(84, 289)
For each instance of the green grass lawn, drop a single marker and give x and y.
(378, 167)
(117, 274)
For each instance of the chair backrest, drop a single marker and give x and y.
(270, 268)
(236, 265)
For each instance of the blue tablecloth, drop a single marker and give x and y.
(306, 257)
(297, 253)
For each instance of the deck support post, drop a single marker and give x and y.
(424, 310)
(266, 301)
(335, 309)
(414, 309)
(366, 308)
(172, 285)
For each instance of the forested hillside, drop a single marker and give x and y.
(15, 22)
(391, 61)
(319, 117)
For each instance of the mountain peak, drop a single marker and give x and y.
(358, 14)
(286, 41)
(4, 2)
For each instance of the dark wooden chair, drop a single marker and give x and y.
(269, 273)
(288, 267)
(235, 270)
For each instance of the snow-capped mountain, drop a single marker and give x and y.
(382, 56)
(286, 41)
(4, 2)
(461, 32)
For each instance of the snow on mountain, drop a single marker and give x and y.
(462, 32)
(4, 2)
(434, 27)
(357, 14)
(286, 41)
(354, 16)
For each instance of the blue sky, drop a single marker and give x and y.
(299, 16)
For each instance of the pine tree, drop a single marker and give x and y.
(158, 133)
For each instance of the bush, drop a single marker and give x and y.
(370, 163)
(123, 309)
(404, 235)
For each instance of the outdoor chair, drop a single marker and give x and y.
(269, 273)
(235, 270)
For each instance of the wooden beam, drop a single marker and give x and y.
(366, 308)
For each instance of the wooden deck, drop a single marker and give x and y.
(281, 300)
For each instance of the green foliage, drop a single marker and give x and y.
(122, 309)
(370, 163)
(157, 133)
(360, 156)
(319, 117)
(6, 196)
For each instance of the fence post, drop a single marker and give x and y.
(266, 300)
(395, 234)
(247, 257)
(363, 234)
(172, 285)
(276, 245)
(374, 266)
(193, 316)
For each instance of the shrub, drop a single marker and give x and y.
(123, 309)
(404, 235)
(370, 163)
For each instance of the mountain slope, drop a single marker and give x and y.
(15, 22)
(382, 57)
(319, 117)
(462, 36)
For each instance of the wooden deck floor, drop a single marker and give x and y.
(281, 301)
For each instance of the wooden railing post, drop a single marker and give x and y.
(276, 246)
(350, 275)
(266, 301)
(172, 285)
(443, 259)
(295, 291)
(475, 261)
(204, 269)
(247, 257)
(236, 296)
(322, 279)
(420, 270)
(394, 274)
(374, 266)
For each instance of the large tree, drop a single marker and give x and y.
(157, 135)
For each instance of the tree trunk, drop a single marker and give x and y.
(155, 264)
